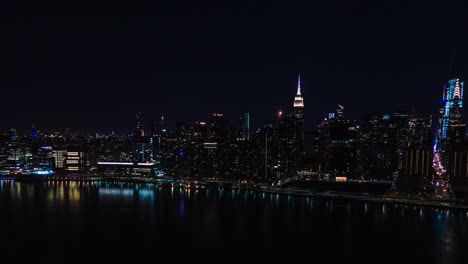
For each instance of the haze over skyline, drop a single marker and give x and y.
(70, 66)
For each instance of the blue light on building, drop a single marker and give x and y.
(43, 172)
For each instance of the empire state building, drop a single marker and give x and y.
(298, 100)
(297, 139)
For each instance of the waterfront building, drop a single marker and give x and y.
(14, 152)
(59, 159)
(142, 169)
(313, 157)
(339, 150)
(376, 149)
(414, 172)
(76, 162)
(267, 158)
(42, 158)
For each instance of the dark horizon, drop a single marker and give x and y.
(79, 67)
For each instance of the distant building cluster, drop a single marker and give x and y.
(409, 150)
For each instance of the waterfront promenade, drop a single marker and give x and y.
(268, 188)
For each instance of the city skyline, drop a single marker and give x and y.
(85, 68)
(146, 119)
(244, 131)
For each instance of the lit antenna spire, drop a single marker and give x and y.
(456, 91)
(299, 85)
(298, 100)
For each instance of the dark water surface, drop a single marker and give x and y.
(94, 222)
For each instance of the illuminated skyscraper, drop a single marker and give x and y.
(298, 100)
(294, 125)
(299, 117)
(246, 129)
(449, 135)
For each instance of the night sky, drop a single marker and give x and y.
(95, 66)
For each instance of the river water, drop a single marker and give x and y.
(87, 221)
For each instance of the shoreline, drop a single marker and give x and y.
(384, 199)
(331, 195)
